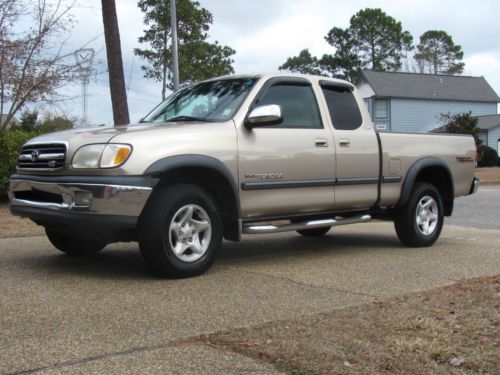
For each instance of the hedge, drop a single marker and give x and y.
(10, 144)
(487, 156)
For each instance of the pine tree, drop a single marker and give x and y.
(438, 54)
(198, 58)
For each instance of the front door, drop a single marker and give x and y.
(287, 168)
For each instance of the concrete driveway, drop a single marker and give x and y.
(106, 315)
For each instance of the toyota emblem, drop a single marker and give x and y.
(34, 155)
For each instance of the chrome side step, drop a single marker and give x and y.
(276, 228)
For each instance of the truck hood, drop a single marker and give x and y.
(144, 137)
(78, 137)
(152, 143)
(75, 138)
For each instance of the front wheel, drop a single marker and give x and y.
(74, 245)
(419, 222)
(180, 231)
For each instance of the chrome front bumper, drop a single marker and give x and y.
(80, 197)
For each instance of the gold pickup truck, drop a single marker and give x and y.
(238, 155)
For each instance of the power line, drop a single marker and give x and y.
(84, 61)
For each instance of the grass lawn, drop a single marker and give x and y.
(449, 330)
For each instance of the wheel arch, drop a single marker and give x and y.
(210, 174)
(434, 171)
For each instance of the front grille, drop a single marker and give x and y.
(43, 157)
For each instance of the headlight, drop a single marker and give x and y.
(114, 155)
(88, 156)
(101, 156)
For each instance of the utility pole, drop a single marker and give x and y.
(175, 54)
(115, 63)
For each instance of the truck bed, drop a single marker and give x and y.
(401, 150)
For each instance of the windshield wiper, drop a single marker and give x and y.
(187, 118)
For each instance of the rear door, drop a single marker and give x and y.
(287, 169)
(357, 152)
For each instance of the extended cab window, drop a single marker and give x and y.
(298, 105)
(343, 108)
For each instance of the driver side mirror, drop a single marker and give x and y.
(264, 115)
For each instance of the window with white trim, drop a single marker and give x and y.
(381, 108)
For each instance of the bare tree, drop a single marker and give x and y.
(115, 64)
(33, 63)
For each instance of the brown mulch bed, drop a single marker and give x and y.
(489, 175)
(13, 226)
(449, 330)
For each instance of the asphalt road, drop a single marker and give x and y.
(106, 315)
(481, 210)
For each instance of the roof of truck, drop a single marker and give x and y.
(285, 74)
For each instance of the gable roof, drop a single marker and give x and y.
(488, 122)
(429, 86)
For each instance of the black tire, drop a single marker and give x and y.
(74, 245)
(408, 229)
(156, 236)
(314, 232)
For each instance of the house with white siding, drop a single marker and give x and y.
(414, 103)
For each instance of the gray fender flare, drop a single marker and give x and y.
(413, 172)
(194, 160)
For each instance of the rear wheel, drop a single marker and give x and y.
(74, 245)
(420, 221)
(180, 231)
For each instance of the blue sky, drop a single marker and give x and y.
(265, 33)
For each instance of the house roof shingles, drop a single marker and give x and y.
(430, 86)
(488, 122)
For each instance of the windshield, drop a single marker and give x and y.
(213, 101)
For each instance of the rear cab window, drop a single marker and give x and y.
(342, 106)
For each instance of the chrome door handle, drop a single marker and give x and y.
(344, 143)
(321, 142)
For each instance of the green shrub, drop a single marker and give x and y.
(10, 144)
(461, 123)
(487, 156)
